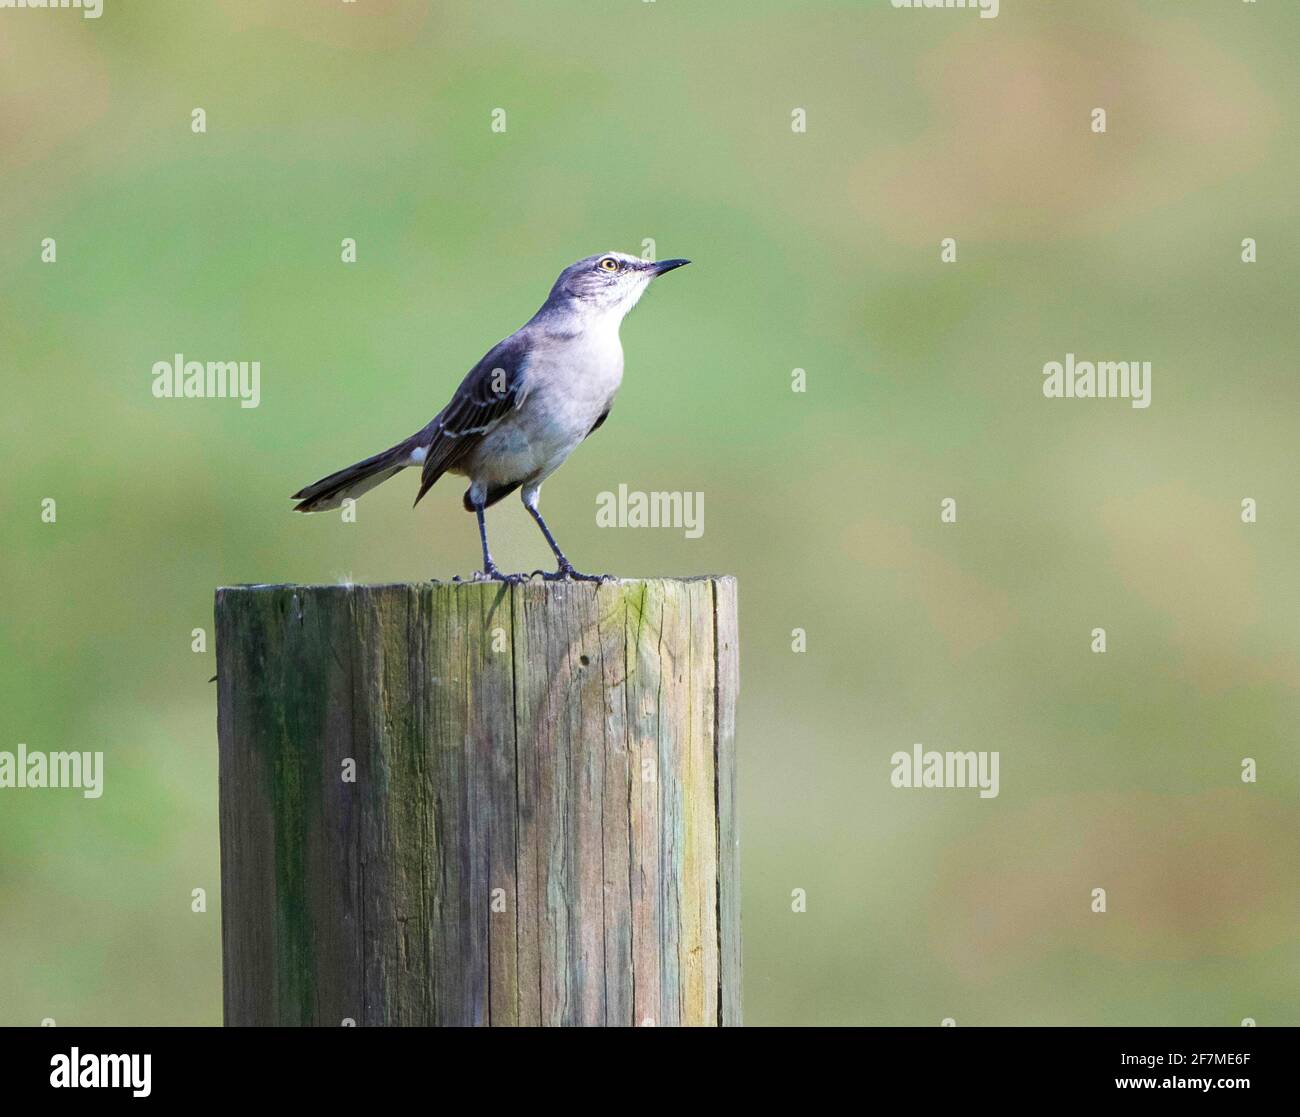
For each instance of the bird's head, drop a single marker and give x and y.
(609, 283)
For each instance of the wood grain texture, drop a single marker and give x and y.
(541, 829)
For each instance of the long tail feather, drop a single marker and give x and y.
(330, 492)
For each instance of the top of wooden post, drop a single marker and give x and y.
(465, 582)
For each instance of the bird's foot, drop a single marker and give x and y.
(492, 574)
(566, 573)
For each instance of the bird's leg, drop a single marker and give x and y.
(490, 571)
(566, 570)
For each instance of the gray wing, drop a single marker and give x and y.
(490, 391)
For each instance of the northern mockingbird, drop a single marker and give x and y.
(524, 407)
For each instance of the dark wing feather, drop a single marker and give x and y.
(489, 392)
(596, 425)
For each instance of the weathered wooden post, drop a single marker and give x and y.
(474, 803)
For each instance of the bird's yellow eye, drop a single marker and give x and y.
(608, 264)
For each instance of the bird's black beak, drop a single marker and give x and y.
(668, 265)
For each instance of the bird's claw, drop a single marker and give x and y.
(566, 573)
(492, 574)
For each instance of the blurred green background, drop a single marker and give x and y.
(672, 121)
